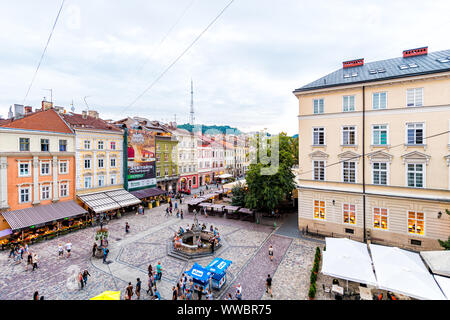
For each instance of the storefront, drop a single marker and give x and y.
(44, 222)
(151, 197)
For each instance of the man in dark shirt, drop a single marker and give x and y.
(138, 288)
(269, 285)
(129, 291)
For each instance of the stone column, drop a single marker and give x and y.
(36, 191)
(4, 183)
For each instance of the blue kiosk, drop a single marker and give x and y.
(200, 277)
(218, 268)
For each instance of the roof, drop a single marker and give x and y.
(76, 121)
(426, 64)
(48, 120)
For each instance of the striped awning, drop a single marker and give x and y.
(109, 200)
(42, 214)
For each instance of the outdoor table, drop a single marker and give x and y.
(337, 289)
(365, 293)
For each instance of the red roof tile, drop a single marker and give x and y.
(76, 121)
(47, 120)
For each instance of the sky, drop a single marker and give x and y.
(244, 67)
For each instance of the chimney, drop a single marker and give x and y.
(19, 110)
(353, 63)
(28, 109)
(84, 114)
(415, 52)
(93, 114)
(46, 105)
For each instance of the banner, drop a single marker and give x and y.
(141, 159)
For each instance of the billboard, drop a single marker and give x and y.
(141, 159)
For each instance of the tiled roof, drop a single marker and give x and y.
(76, 121)
(47, 120)
(426, 64)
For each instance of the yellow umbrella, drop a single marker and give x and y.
(108, 295)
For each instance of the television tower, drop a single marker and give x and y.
(191, 117)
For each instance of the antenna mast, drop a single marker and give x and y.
(191, 118)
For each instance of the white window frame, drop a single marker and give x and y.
(29, 144)
(28, 163)
(48, 162)
(424, 175)
(319, 110)
(314, 170)
(415, 135)
(415, 97)
(343, 217)
(29, 194)
(356, 171)
(49, 191)
(355, 135)
(102, 144)
(66, 162)
(66, 185)
(90, 163)
(103, 180)
(380, 170)
(324, 207)
(158, 172)
(102, 159)
(113, 179)
(111, 162)
(379, 130)
(424, 223)
(59, 145)
(88, 144)
(113, 143)
(318, 132)
(86, 179)
(387, 219)
(48, 144)
(350, 97)
(379, 100)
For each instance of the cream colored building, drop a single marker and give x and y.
(396, 112)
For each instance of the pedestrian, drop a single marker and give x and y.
(157, 295)
(269, 285)
(208, 295)
(129, 291)
(127, 227)
(85, 275)
(174, 293)
(12, 252)
(189, 295)
(36, 295)
(206, 214)
(213, 243)
(35, 261)
(176, 205)
(270, 253)
(170, 211)
(138, 288)
(211, 228)
(200, 293)
(150, 270)
(80, 280)
(229, 297)
(94, 249)
(167, 212)
(181, 213)
(159, 270)
(29, 260)
(68, 248)
(21, 251)
(60, 251)
(181, 201)
(178, 213)
(105, 254)
(150, 284)
(239, 292)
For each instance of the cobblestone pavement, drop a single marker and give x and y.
(147, 243)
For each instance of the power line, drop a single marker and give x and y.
(370, 153)
(180, 56)
(43, 53)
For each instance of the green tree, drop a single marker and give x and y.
(238, 198)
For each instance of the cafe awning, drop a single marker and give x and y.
(231, 208)
(42, 214)
(224, 176)
(245, 210)
(403, 272)
(218, 206)
(109, 200)
(349, 260)
(148, 192)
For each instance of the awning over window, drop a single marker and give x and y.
(110, 200)
(149, 192)
(42, 214)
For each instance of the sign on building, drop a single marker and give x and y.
(141, 159)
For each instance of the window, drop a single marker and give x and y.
(24, 169)
(318, 106)
(158, 147)
(101, 163)
(318, 136)
(379, 173)
(319, 170)
(167, 147)
(415, 133)
(194, 181)
(416, 222)
(63, 167)
(380, 218)
(113, 179)
(101, 180)
(112, 145)
(415, 175)
(414, 97)
(45, 192)
(348, 103)
(45, 168)
(87, 182)
(158, 172)
(24, 194)
(166, 157)
(87, 163)
(63, 190)
(87, 144)
(24, 144)
(348, 135)
(45, 145)
(319, 209)
(62, 145)
(349, 171)
(100, 145)
(158, 157)
(379, 100)
(113, 162)
(349, 213)
(166, 171)
(380, 134)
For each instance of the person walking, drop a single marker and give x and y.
(68, 248)
(85, 275)
(138, 288)
(178, 213)
(157, 295)
(127, 227)
(271, 253)
(229, 297)
(200, 293)
(167, 212)
(269, 285)
(36, 295)
(60, 251)
(80, 280)
(29, 260)
(150, 270)
(105, 254)
(174, 293)
(94, 249)
(159, 270)
(151, 281)
(181, 213)
(129, 291)
(12, 252)
(35, 261)
(239, 292)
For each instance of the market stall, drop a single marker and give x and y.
(218, 268)
(200, 277)
(217, 208)
(151, 197)
(247, 214)
(231, 212)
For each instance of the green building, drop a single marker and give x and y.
(166, 160)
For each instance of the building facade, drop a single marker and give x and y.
(375, 151)
(166, 161)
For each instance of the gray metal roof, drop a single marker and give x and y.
(426, 64)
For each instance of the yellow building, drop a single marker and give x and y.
(396, 113)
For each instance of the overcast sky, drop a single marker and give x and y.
(244, 67)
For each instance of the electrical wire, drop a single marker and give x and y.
(43, 53)
(180, 56)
